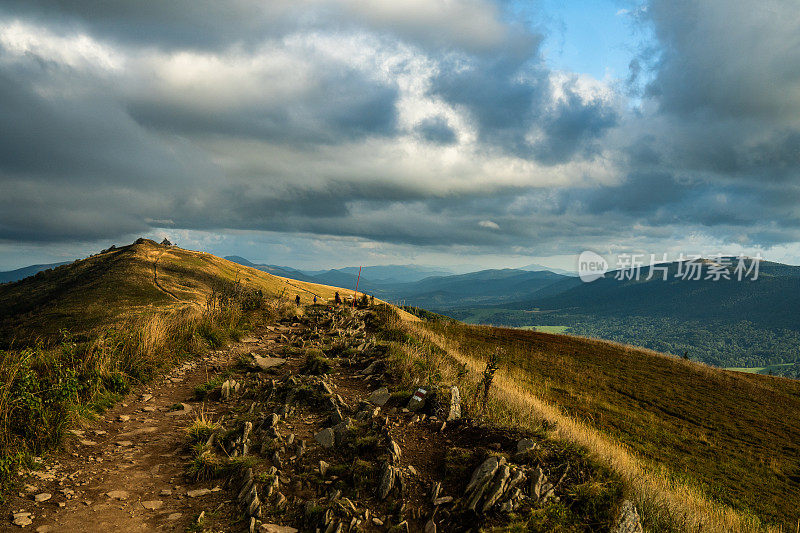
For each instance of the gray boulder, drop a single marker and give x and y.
(455, 404)
(326, 438)
(628, 521)
(379, 397)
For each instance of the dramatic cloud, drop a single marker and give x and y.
(431, 124)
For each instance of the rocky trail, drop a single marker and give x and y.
(305, 428)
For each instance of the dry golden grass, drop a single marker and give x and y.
(130, 282)
(667, 504)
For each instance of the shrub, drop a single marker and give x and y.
(201, 429)
(205, 464)
(316, 364)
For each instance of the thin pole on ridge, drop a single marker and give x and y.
(355, 294)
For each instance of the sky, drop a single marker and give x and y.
(459, 133)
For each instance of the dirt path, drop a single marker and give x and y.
(125, 472)
(155, 279)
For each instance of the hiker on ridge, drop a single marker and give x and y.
(337, 299)
(297, 300)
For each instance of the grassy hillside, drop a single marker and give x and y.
(126, 282)
(727, 323)
(734, 436)
(78, 336)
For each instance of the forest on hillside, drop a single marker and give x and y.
(724, 344)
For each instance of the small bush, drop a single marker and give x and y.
(316, 364)
(201, 429)
(206, 390)
(205, 464)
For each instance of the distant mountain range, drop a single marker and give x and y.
(769, 301)
(428, 287)
(22, 273)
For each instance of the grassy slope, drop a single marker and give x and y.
(106, 288)
(735, 435)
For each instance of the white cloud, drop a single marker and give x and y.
(76, 50)
(488, 224)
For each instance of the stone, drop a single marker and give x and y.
(198, 492)
(379, 397)
(628, 521)
(280, 500)
(497, 488)
(325, 388)
(481, 481)
(272, 420)
(117, 494)
(184, 409)
(394, 451)
(370, 369)
(341, 431)
(483, 473)
(387, 481)
(266, 363)
(525, 445)
(165, 492)
(124, 443)
(417, 401)
(123, 418)
(87, 442)
(225, 391)
(275, 528)
(323, 468)
(436, 489)
(22, 519)
(326, 438)
(174, 516)
(455, 404)
(152, 505)
(43, 497)
(541, 488)
(147, 397)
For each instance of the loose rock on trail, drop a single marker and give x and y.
(306, 412)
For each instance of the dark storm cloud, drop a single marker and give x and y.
(203, 24)
(510, 96)
(573, 128)
(733, 59)
(436, 130)
(726, 81)
(502, 105)
(641, 192)
(346, 106)
(297, 125)
(86, 140)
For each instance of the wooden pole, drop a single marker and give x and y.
(355, 294)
